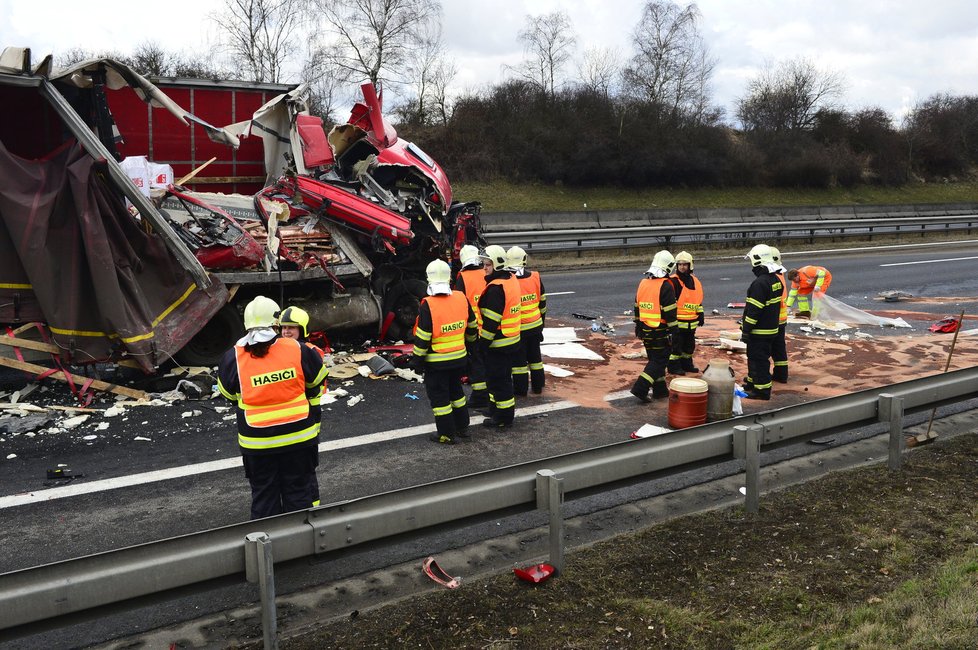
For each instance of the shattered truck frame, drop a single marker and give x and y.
(378, 207)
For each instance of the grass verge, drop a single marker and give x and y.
(865, 558)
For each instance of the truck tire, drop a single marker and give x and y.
(219, 335)
(404, 301)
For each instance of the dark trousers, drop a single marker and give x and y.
(657, 346)
(499, 376)
(779, 352)
(477, 377)
(683, 346)
(528, 363)
(759, 362)
(447, 398)
(282, 482)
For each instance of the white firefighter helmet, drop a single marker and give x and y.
(760, 254)
(683, 256)
(295, 317)
(497, 255)
(260, 312)
(775, 255)
(663, 261)
(515, 258)
(438, 272)
(469, 256)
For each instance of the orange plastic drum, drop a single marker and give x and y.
(687, 402)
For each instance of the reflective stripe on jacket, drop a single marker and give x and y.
(509, 319)
(530, 301)
(647, 299)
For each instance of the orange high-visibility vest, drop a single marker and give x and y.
(449, 315)
(530, 301)
(689, 300)
(647, 299)
(273, 387)
(475, 284)
(808, 279)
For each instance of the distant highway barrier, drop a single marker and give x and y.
(578, 231)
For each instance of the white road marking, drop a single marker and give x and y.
(948, 259)
(78, 489)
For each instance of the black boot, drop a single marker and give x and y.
(659, 389)
(641, 390)
(675, 367)
(688, 366)
(780, 374)
(756, 393)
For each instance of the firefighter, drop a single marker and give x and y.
(528, 365)
(655, 323)
(759, 325)
(804, 282)
(471, 281)
(779, 347)
(445, 323)
(272, 379)
(689, 315)
(293, 323)
(501, 318)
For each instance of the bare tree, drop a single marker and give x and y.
(548, 44)
(599, 69)
(149, 58)
(787, 97)
(672, 65)
(324, 84)
(430, 72)
(261, 35)
(375, 40)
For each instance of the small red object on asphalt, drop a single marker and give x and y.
(945, 325)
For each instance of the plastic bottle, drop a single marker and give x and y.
(720, 382)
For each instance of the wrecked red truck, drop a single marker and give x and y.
(343, 225)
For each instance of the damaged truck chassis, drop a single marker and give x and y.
(344, 226)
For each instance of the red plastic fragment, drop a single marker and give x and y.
(945, 325)
(536, 573)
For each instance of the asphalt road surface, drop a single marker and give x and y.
(154, 473)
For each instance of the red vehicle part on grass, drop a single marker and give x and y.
(349, 209)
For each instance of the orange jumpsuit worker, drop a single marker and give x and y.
(272, 380)
(805, 281)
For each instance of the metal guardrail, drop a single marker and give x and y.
(589, 233)
(45, 597)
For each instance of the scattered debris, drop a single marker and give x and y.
(142, 439)
(947, 325)
(821, 441)
(24, 424)
(736, 346)
(553, 335)
(113, 411)
(71, 423)
(569, 351)
(356, 399)
(191, 414)
(101, 426)
(557, 371)
(432, 570)
(411, 396)
(736, 305)
(536, 573)
(894, 296)
(584, 316)
(379, 365)
(11, 456)
(649, 430)
(408, 375)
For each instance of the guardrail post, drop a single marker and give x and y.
(747, 445)
(890, 409)
(550, 495)
(260, 568)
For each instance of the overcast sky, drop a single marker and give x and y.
(892, 53)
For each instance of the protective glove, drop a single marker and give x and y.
(417, 364)
(701, 318)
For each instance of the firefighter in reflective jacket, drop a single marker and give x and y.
(272, 380)
(528, 365)
(501, 318)
(655, 321)
(779, 346)
(445, 323)
(759, 326)
(689, 315)
(293, 323)
(471, 281)
(804, 282)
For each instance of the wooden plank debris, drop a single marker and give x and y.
(97, 384)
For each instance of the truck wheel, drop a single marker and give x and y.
(208, 346)
(404, 303)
